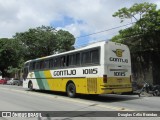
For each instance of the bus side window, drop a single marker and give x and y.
(34, 66)
(86, 58)
(90, 57)
(71, 60)
(42, 64)
(31, 66)
(27, 64)
(95, 57)
(46, 64)
(51, 63)
(77, 59)
(57, 62)
(67, 60)
(37, 65)
(62, 61)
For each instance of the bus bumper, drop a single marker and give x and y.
(115, 90)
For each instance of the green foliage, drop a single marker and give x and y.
(36, 42)
(142, 37)
(65, 41)
(43, 41)
(12, 70)
(143, 34)
(137, 10)
(10, 54)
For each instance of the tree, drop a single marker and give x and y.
(146, 19)
(65, 41)
(44, 41)
(142, 37)
(10, 54)
(36, 42)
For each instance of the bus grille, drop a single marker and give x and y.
(92, 85)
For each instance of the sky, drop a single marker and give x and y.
(79, 17)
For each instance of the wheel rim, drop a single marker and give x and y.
(31, 86)
(71, 90)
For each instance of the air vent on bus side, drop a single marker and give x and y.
(92, 85)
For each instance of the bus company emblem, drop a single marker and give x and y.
(118, 52)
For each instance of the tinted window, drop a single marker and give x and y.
(46, 64)
(56, 62)
(51, 62)
(77, 61)
(42, 64)
(32, 66)
(62, 61)
(86, 58)
(72, 60)
(90, 57)
(95, 56)
(37, 65)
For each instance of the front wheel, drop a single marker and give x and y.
(71, 90)
(30, 86)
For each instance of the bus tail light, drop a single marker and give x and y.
(104, 78)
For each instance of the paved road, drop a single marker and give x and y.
(15, 98)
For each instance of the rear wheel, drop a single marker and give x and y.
(30, 86)
(71, 90)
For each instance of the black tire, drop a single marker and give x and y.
(71, 90)
(30, 86)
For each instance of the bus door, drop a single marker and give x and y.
(25, 73)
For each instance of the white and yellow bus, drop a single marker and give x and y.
(99, 68)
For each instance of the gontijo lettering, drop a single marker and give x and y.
(118, 60)
(64, 72)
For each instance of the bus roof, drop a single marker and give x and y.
(91, 45)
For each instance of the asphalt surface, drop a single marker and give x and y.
(16, 98)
